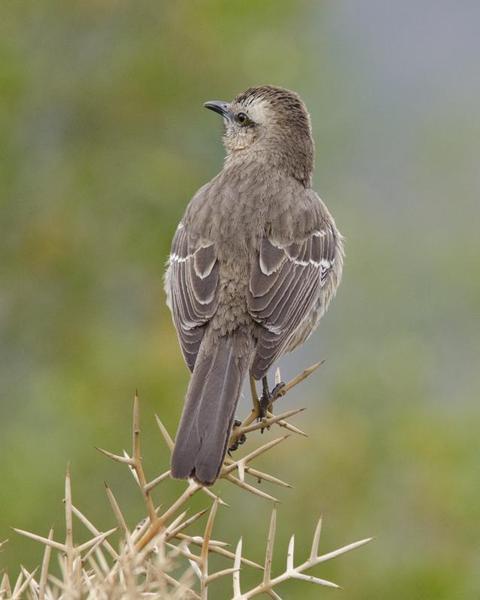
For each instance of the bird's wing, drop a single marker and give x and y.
(191, 283)
(286, 285)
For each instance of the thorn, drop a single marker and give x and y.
(116, 510)
(115, 457)
(270, 545)
(69, 522)
(249, 457)
(250, 488)
(237, 592)
(341, 550)
(39, 538)
(316, 540)
(312, 579)
(174, 532)
(261, 476)
(278, 377)
(290, 553)
(218, 574)
(166, 436)
(213, 496)
(152, 484)
(207, 536)
(298, 379)
(94, 540)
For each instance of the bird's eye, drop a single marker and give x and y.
(242, 118)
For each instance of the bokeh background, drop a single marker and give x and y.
(104, 140)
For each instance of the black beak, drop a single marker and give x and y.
(220, 107)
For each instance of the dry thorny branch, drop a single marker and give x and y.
(152, 554)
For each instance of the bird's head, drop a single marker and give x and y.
(268, 124)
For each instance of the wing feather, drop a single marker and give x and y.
(286, 285)
(192, 284)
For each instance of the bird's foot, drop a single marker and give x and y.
(267, 398)
(241, 439)
(275, 393)
(265, 401)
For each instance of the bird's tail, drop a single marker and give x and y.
(209, 409)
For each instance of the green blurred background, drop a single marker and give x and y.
(104, 140)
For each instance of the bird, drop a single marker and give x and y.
(254, 264)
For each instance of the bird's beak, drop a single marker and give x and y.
(220, 107)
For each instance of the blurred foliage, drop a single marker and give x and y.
(103, 143)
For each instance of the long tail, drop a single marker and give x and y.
(209, 409)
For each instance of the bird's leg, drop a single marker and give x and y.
(265, 399)
(236, 437)
(262, 408)
(255, 399)
(268, 397)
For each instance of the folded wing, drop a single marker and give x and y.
(191, 284)
(286, 285)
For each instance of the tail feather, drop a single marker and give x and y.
(209, 410)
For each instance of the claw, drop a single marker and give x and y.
(277, 389)
(239, 441)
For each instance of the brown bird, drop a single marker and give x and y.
(255, 261)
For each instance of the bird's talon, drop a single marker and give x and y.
(241, 439)
(277, 390)
(267, 398)
(265, 405)
(264, 420)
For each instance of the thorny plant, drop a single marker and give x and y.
(158, 558)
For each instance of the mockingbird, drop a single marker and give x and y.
(255, 261)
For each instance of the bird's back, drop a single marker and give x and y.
(235, 213)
